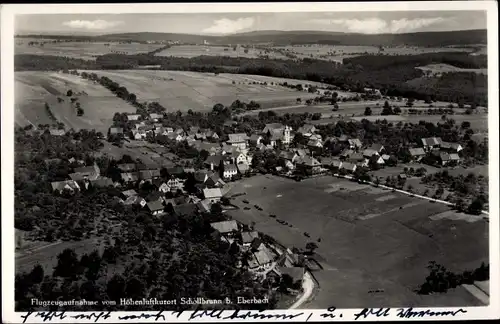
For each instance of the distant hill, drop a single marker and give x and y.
(431, 39)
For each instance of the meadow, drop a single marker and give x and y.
(370, 239)
(82, 50)
(198, 50)
(34, 89)
(179, 90)
(443, 68)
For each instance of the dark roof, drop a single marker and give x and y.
(431, 141)
(155, 205)
(417, 151)
(126, 167)
(154, 196)
(215, 159)
(177, 170)
(225, 226)
(248, 237)
(185, 209)
(102, 182)
(297, 273)
(200, 176)
(377, 147)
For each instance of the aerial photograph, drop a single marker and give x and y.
(253, 161)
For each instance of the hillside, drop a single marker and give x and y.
(467, 37)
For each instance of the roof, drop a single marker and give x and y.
(370, 152)
(237, 138)
(449, 157)
(88, 169)
(386, 156)
(348, 166)
(200, 176)
(215, 159)
(301, 152)
(355, 141)
(129, 176)
(276, 134)
(307, 128)
(185, 209)
(377, 147)
(154, 196)
(272, 126)
(225, 226)
(153, 115)
(133, 116)
(308, 161)
(417, 151)
(314, 143)
(342, 138)
(248, 237)
(133, 200)
(59, 185)
(263, 256)
(204, 205)
(102, 182)
(129, 193)
(177, 170)
(346, 153)
(287, 155)
(149, 174)
(356, 157)
(212, 193)
(57, 132)
(454, 156)
(448, 145)
(243, 167)
(230, 167)
(155, 205)
(297, 273)
(431, 141)
(126, 167)
(255, 137)
(77, 176)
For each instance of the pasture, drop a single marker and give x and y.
(82, 50)
(179, 90)
(370, 238)
(443, 68)
(34, 89)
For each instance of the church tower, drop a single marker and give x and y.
(287, 135)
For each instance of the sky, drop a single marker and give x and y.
(228, 23)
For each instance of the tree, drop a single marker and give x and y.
(368, 111)
(476, 207)
(311, 246)
(335, 107)
(67, 264)
(69, 93)
(459, 204)
(37, 274)
(397, 110)
(116, 287)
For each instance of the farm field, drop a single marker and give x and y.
(442, 68)
(146, 152)
(190, 51)
(179, 90)
(367, 240)
(82, 50)
(338, 53)
(34, 89)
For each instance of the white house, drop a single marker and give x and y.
(239, 140)
(133, 117)
(230, 170)
(212, 194)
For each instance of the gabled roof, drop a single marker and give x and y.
(129, 193)
(126, 167)
(88, 169)
(355, 142)
(185, 209)
(200, 176)
(308, 161)
(315, 143)
(248, 237)
(230, 168)
(116, 130)
(273, 126)
(297, 273)
(255, 137)
(59, 185)
(204, 205)
(154, 196)
(243, 167)
(237, 138)
(57, 132)
(377, 147)
(129, 176)
(370, 152)
(102, 182)
(346, 153)
(155, 116)
(225, 226)
(418, 151)
(133, 200)
(431, 141)
(212, 193)
(287, 155)
(356, 157)
(215, 159)
(148, 174)
(175, 171)
(263, 256)
(449, 157)
(155, 205)
(348, 166)
(307, 128)
(448, 145)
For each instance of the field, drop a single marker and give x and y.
(443, 68)
(178, 90)
(34, 89)
(198, 50)
(82, 50)
(338, 53)
(367, 240)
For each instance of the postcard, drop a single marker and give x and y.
(250, 162)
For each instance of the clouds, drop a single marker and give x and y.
(92, 24)
(228, 26)
(378, 25)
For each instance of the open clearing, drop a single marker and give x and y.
(34, 89)
(367, 241)
(190, 51)
(442, 68)
(82, 50)
(179, 90)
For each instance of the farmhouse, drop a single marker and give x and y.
(447, 158)
(229, 171)
(239, 140)
(226, 228)
(368, 153)
(349, 167)
(155, 207)
(139, 134)
(69, 185)
(417, 154)
(89, 173)
(314, 143)
(354, 143)
(135, 200)
(307, 130)
(379, 148)
(309, 165)
(248, 237)
(133, 117)
(431, 143)
(261, 258)
(214, 180)
(269, 128)
(451, 147)
(213, 195)
(174, 184)
(255, 139)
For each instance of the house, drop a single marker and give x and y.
(174, 184)
(431, 143)
(211, 135)
(169, 130)
(69, 185)
(155, 196)
(130, 176)
(451, 147)
(402, 176)
(243, 168)
(164, 188)
(356, 158)
(89, 173)
(155, 117)
(102, 182)
(296, 273)
(147, 175)
(214, 180)
(213, 194)
(307, 130)
(156, 207)
(283, 135)
(315, 143)
(57, 132)
(239, 140)
(139, 134)
(226, 228)
(301, 152)
(368, 153)
(128, 193)
(417, 154)
(175, 137)
(200, 136)
(316, 137)
(255, 139)
(116, 131)
(447, 158)
(230, 170)
(176, 171)
(238, 157)
(133, 117)
(135, 200)
(180, 131)
(185, 209)
(309, 165)
(349, 167)
(346, 153)
(126, 167)
(285, 156)
(354, 143)
(336, 164)
(248, 237)
(214, 161)
(269, 128)
(201, 176)
(261, 258)
(386, 157)
(204, 206)
(377, 159)
(379, 148)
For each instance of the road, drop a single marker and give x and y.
(308, 287)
